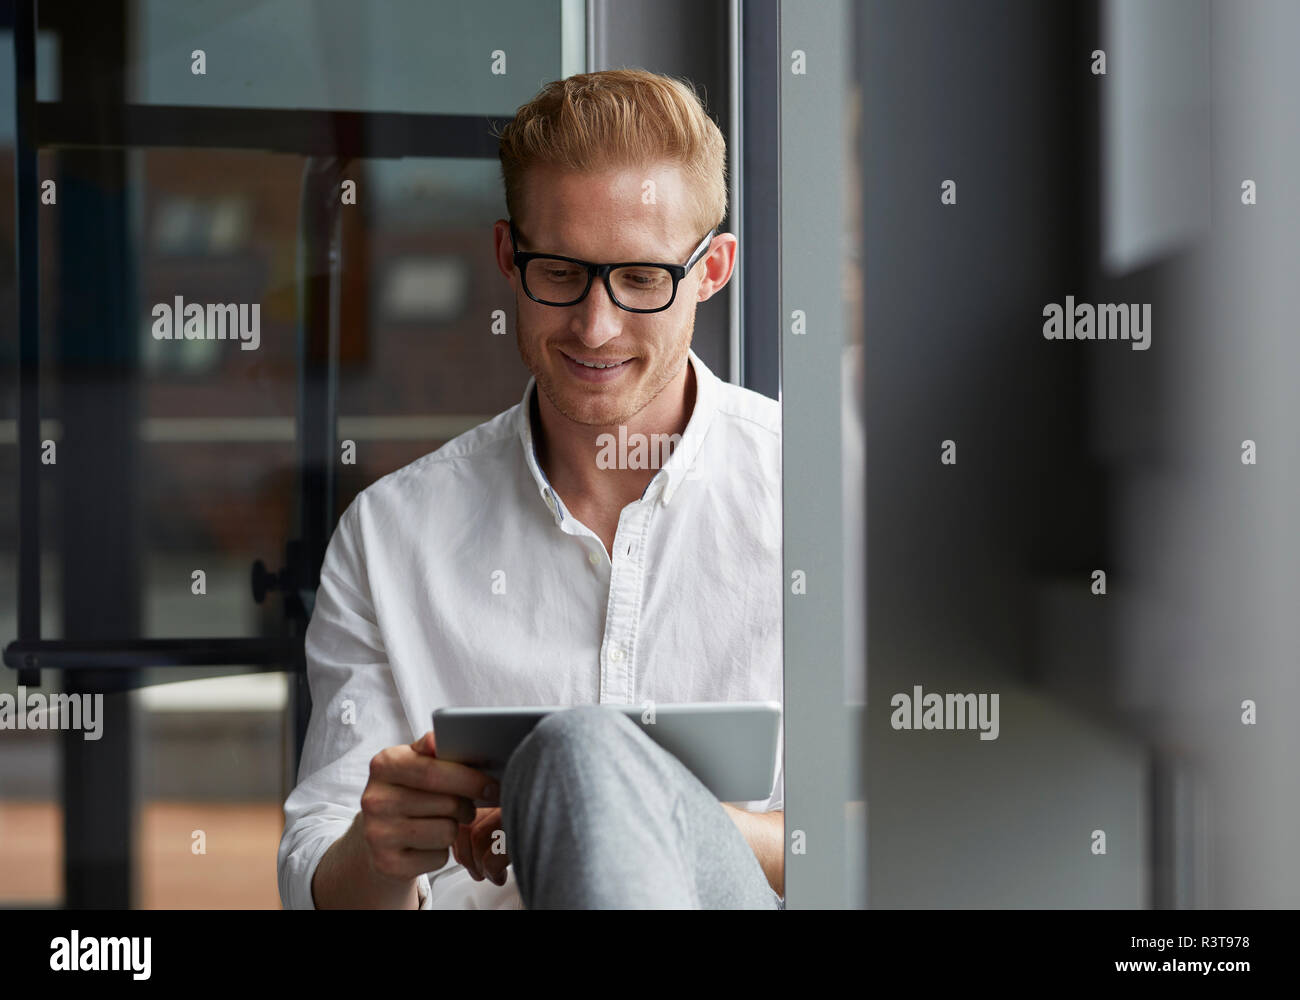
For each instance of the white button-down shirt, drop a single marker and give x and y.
(462, 579)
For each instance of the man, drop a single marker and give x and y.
(529, 562)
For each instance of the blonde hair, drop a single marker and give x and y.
(621, 117)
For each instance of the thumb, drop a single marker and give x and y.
(426, 745)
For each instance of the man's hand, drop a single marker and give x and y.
(481, 847)
(765, 834)
(412, 808)
(411, 811)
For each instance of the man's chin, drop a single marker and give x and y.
(588, 413)
(592, 406)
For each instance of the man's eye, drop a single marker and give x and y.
(645, 279)
(558, 273)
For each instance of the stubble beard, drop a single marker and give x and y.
(601, 412)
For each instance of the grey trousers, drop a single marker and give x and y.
(597, 816)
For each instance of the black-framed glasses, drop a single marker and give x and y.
(637, 286)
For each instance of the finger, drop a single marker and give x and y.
(426, 745)
(485, 835)
(403, 766)
(418, 834)
(465, 854)
(495, 865)
(463, 850)
(398, 801)
(413, 863)
(436, 834)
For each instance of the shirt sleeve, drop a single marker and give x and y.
(356, 712)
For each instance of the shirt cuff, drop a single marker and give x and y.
(298, 871)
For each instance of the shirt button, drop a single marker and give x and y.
(594, 559)
(616, 654)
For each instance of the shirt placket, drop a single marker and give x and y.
(623, 613)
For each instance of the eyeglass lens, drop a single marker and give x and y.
(560, 282)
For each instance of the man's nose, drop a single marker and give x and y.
(596, 319)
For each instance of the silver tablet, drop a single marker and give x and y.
(729, 745)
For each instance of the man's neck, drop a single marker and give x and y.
(568, 452)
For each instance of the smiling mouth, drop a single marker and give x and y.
(597, 365)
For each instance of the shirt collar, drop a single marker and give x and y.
(674, 472)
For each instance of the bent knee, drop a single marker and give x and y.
(583, 724)
(577, 731)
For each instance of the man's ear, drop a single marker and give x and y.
(504, 249)
(717, 265)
